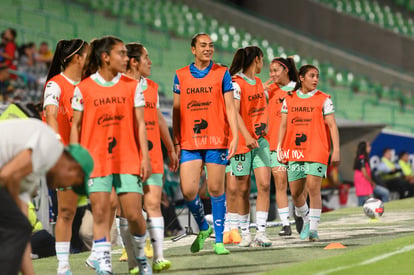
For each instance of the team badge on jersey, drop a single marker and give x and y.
(239, 166)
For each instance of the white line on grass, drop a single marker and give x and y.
(370, 261)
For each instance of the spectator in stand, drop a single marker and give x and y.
(44, 54)
(3, 43)
(406, 167)
(10, 48)
(27, 62)
(365, 186)
(5, 87)
(392, 177)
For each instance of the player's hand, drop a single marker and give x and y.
(146, 169)
(335, 158)
(232, 148)
(173, 166)
(266, 84)
(252, 143)
(178, 150)
(281, 157)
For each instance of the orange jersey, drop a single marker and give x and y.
(204, 123)
(153, 128)
(253, 110)
(108, 126)
(307, 137)
(65, 113)
(276, 97)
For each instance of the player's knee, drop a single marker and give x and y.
(66, 213)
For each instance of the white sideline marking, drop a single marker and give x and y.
(370, 261)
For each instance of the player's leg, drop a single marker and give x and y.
(216, 169)
(155, 221)
(100, 193)
(297, 180)
(67, 204)
(231, 231)
(129, 190)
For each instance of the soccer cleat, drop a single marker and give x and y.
(235, 236)
(313, 236)
(261, 240)
(149, 252)
(227, 238)
(201, 237)
(298, 223)
(219, 249)
(133, 270)
(304, 234)
(246, 239)
(144, 266)
(286, 231)
(92, 263)
(64, 271)
(160, 265)
(124, 256)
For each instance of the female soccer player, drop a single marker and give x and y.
(139, 68)
(284, 75)
(203, 111)
(106, 105)
(253, 150)
(70, 56)
(306, 128)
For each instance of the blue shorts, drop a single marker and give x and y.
(216, 156)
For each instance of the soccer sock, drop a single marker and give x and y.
(138, 242)
(284, 215)
(156, 232)
(120, 240)
(126, 240)
(303, 212)
(315, 216)
(196, 208)
(261, 219)
(62, 253)
(218, 205)
(103, 254)
(233, 220)
(244, 223)
(226, 223)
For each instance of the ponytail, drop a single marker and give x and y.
(243, 58)
(96, 49)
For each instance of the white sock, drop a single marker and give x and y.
(138, 243)
(233, 220)
(92, 256)
(284, 215)
(62, 253)
(303, 212)
(261, 220)
(126, 240)
(103, 254)
(315, 217)
(120, 241)
(226, 223)
(244, 221)
(156, 232)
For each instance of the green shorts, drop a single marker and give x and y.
(300, 169)
(123, 183)
(273, 160)
(155, 179)
(242, 164)
(228, 168)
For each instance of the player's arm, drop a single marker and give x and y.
(166, 139)
(232, 118)
(333, 130)
(251, 142)
(143, 143)
(14, 172)
(51, 104)
(77, 106)
(281, 137)
(177, 117)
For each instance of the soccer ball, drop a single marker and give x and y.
(373, 208)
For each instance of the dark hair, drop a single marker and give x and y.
(302, 72)
(243, 58)
(134, 50)
(385, 150)
(361, 150)
(195, 37)
(289, 64)
(13, 32)
(401, 154)
(64, 53)
(96, 49)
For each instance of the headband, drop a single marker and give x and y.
(72, 54)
